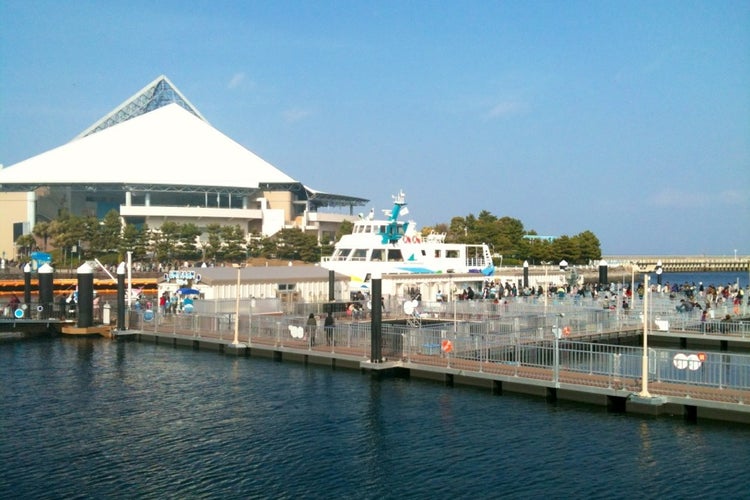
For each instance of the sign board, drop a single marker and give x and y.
(181, 275)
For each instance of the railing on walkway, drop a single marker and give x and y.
(514, 349)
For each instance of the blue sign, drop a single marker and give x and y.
(148, 315)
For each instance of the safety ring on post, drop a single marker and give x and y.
(446, 346)
(566, 331)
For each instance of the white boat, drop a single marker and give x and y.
(393, 246)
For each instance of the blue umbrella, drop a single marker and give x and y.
(188, 291)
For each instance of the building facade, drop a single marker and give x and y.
(153, 159)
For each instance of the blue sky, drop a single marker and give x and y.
(629, 119)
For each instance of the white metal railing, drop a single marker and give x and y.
(516, 346)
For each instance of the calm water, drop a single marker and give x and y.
(93, 418)
(716, 279)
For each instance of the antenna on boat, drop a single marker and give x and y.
(399, 198)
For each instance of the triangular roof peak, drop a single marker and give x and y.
(156, 94)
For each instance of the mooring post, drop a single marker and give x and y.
(85, 296)
(46, 294)
(27, 287)
(526, 274)
(121, 296)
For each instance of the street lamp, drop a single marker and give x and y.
(236, 341)
(452, 296)
(644, 359)
(546, 285)
(557, 333)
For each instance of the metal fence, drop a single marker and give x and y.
(512, 347)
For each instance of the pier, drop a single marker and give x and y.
(683, 263)
(585, 366)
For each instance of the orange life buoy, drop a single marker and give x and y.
(566, 331)
(446, 346)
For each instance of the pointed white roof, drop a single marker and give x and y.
(168, 145)
(156, 94)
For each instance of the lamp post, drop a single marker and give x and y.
(236, 340)
(659, 270)
(556, 331)
(644, 361)
(452, 296)
(644, 394)
(546, 285)
(130, 277)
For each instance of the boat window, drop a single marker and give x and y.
(359, 254)
(378, 255)
(451, 254)
(394, 255)
(437, 253)
(342, 253)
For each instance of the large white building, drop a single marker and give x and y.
(155, 158)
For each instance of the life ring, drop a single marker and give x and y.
(446, 346)
(566, 331)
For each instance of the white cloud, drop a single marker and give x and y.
(676, 198)
(236, 80)
(507, 108)
(295, 115)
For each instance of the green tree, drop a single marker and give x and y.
(233, 249)
(589, 247)
(108, 235)
(187, 245)
(165, 241)
(26, 243)
(133, 240)
(69, 233)
(565, 248)
(213, 247)
(294, 244)
(43, 230)
(345, 228)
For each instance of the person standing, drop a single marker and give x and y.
(312, 325)
(329, 328)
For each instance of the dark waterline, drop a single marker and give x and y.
(92, 418)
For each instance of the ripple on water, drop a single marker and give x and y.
(122, 420)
